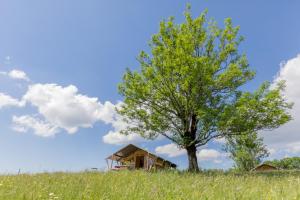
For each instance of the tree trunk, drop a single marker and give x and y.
(192, 157)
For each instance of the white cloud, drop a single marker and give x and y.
(6, 100)
(64, 107)
(40, 128)
(171, 150)
(293, 147)
(272, 151)
(287, 137)
(18, 74)
(209, 155)
(110, 116)
(115, 137)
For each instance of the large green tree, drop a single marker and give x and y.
(246, 150)
(188, 87)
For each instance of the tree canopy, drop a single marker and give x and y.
(188, 88)
(246, 150)
(289, 163)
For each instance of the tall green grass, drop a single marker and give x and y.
(131, 185)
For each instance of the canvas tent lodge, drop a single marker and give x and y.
(264, 167)
(133, 157)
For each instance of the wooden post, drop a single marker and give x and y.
(134, 158)
(154, 163)
(147, 162)
(107, 163)
(111, 164)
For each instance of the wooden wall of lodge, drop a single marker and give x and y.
(158, 163)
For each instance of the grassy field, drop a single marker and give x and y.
(143, 185)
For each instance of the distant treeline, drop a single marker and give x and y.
(286, 163)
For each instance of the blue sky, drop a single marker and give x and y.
(46, 46)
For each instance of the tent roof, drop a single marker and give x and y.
(264, 164)
(128, 150)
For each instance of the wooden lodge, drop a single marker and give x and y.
(133, 157)
(264, 167)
